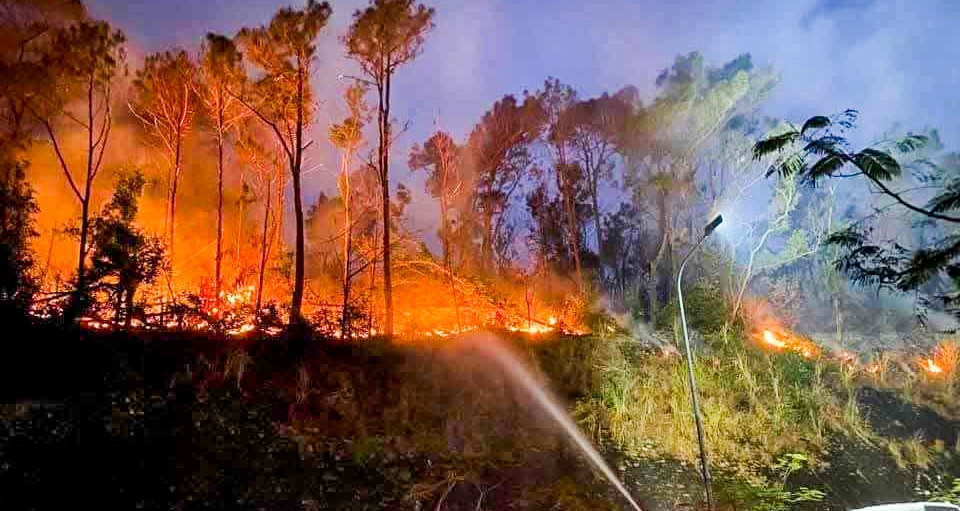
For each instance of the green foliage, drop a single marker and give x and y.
(82, 54)
(366, 447)
(769, 496)
(819, 151)
(17, 209)
(705, 306)
(387, 35)
(796, 369)
(945, 491)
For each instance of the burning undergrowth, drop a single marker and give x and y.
(431, 304)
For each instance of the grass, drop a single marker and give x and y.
(755, 406)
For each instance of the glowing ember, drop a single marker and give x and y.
(552, 321)
(245, 328)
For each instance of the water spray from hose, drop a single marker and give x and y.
(494, 347)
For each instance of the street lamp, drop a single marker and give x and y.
(704, 466)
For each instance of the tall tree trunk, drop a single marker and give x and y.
(370, 292)
(131, 291)
(173, 197)
(84, 234)
(567, 190)
(76, 307)
(662, 262)
(596, 227)
(486, 242)
(299, 275)
(345, 313)
(385, 188)
(219, 255)
(445, 244)
(241, 216)
(347, 242)
(264, 249)
(574, 227)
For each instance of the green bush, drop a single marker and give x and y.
(754, 495)
(704, 306)
(794, 368)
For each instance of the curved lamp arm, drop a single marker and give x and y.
(694, 394)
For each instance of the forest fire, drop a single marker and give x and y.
(778, 339)
(928, 365)
(233, 313)
(771, 339)
(944, 361)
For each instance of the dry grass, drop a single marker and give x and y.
(752, 407)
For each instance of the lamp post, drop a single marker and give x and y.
(704, 466)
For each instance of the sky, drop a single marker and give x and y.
(895, 61)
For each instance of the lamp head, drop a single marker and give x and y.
(712, 226)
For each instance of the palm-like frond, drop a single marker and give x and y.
(847, 238)
(826, 166)
(925, 170)
(847, 119)
(815, 123)
(774, 144)
(949, 200)
(792, 164)
(911, 143)
(926, 263)
(825, 145)
(877, 164)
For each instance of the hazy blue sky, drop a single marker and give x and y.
(893, 60)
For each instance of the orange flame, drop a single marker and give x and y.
(782, 341)
(771, 339)
(944, 361)
(928, 365)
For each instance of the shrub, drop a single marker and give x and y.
(706, 310)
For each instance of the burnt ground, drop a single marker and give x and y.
(119, 422)
(861, 473)
(889, 415)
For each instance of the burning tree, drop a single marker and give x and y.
(282, 99)
(220, 69)
(268, 174)
(26, 31)
(165, 101)
(441, 157)
(384, 36)
(348, 137)
(83, 61)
